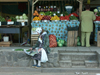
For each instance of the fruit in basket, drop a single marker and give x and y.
(46, 18)
(64, 17)
(41, 16)
(95, 10)
(35, 13)
(55, 18)
(36, 18)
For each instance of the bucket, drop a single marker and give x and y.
(6, 38)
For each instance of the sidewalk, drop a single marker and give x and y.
(48, 71)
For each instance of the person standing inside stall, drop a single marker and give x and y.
(87, 18)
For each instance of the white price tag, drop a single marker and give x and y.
(0, 23)
(54, 14)
(12, 22)
(61, 14)
(23, 23)
(98, 74)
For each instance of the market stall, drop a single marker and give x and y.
(13, 22)
(54, 18)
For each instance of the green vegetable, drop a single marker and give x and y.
(60, 45)
(78, 44)
(2, 19)
(13, 18)
(73, 18)
(42, 13)
(95, 10)
(65, 13)
(17, 17)
(62, 41)
(19, 50)
(98, 13)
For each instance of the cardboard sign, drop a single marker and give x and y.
(12, 22)
(0, 23)
(23, 23)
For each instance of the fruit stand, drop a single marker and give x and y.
(97, 26)
(52, 19)
(14, 24)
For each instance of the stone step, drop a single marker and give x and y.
(78, 63)
(65, 64)
(78, 66)
(77, 56)
(91, 63)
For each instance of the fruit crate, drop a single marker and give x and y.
(34, 38)
(5, 44)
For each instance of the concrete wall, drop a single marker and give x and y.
(20, 59)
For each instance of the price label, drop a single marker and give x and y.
(61, 14)
(23, 23)
(98, 74)
(0, 23)
(10, 22)
(54, 14)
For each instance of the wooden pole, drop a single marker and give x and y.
(32, 9)
(1, 10)
(80, 11)
(80, 8)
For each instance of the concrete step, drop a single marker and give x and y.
(91, 63)
(77, 53)
(79, 66)
(78, 63)
(77, 56)
(65, 64)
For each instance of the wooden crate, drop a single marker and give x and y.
(98, 39)
(72, 38)
(5, 44)
(34, 38)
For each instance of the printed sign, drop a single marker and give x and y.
(0, 23)
(23, 23)
(10, 22)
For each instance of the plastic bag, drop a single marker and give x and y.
(44, 57)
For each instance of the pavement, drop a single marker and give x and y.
(48, 71)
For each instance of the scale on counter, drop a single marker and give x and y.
(98, 8)
(68, 9)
